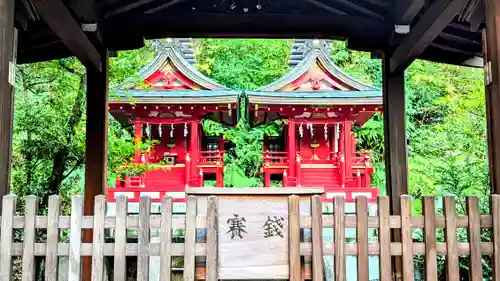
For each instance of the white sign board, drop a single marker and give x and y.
(253, 238)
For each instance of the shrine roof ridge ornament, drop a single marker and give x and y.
(306, 53)
(180, 53)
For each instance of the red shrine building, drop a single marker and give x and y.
(166, 109)
(320, 104)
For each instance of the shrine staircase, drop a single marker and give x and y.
(330, 181)
(319, 178)
(159, 179)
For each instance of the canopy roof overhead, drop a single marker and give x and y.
(438, 30)
(172, 87)
(314, 82)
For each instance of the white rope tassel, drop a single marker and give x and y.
(171, 130)
(185, 129)
(326, 132)
(148, 130)
(159, 130)
(311, 128)
(301, 131)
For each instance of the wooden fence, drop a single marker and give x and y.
(385, 247)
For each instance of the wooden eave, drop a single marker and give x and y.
(367, 25)
(176, 97)
(319, 99)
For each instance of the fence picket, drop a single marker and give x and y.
(75, 240)
(431, 269)
(98, 238)
(495, 211)
(384, 237)
(51, 261)
(406, 238)
(120, 261)
(190, 239)
(8, 211)
(294, 238)
(212, 233)
(450, 213)
(475, 263)
(166, 239)
(362, 237)
(31, 211)
(339, 229)
(317, 238)
(143, 238)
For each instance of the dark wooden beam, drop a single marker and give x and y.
(395, 146)
(163, 24)
(478, 16)
(395, 153)
(62, 23)
(359, 8)
(326, 7)
(96, 152)
(125, 8)
(439, 14)
(86, 11)
(406, 10)
(492, 77)
(6, 92)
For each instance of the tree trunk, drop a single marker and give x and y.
(59, 162)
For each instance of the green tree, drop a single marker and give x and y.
(245, 64)
(49, 125)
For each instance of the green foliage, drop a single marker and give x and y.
(243, 161)
(244, 64)
(134, 169)
(49, 126)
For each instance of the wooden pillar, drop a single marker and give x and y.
(96, 153)
(6, 92)
(491, 42)
(267, 179)
(137, 139)
(219, 177)
(396, 156)
(395, 150)
(194, 143)
(347, 148)
(292, 152)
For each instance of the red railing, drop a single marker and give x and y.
(130, 182)
(361, 158)
(273, 158)
(211, 158)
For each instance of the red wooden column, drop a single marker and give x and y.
(194, 145)
(96, 153)
(341, 154)
(292, 154)
(346, 131)
(6, 92)
(219, 177)
(492, 76)
(137, 140)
